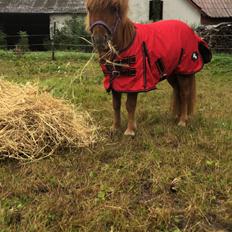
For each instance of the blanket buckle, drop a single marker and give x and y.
(115, 73)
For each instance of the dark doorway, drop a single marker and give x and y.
(156, 10)
(36, 26)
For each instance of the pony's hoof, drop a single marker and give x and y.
(114, 130)
(129, 133)
(182, 124)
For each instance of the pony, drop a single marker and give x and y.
(135, 58)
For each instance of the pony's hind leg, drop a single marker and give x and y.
(192, 96)
(117, 110)
(187, 97)
(175, 101)
(131, 107)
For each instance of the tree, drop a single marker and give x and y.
(72, 34)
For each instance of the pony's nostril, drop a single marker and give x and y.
(100, 41)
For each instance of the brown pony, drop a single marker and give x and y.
(113, 32)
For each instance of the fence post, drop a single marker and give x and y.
(53, 42)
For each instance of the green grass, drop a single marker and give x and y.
(124, 184)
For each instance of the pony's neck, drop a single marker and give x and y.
(124, 34)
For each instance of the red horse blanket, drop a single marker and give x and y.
(158, 50)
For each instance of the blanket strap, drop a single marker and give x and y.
(161, 68)
(127, 60)
(122, 72)
(117, 71)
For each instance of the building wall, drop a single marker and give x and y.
(183, 10)
(139, 10)
(60, 21)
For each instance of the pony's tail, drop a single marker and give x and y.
(192, 96)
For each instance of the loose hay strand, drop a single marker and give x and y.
(112, 50)
(35, 125)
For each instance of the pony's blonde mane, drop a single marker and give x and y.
(122, 5)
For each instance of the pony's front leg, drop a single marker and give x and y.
(131, 107)
(117, 110)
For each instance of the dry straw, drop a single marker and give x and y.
(35, 125)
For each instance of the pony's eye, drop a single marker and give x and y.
(113, 8)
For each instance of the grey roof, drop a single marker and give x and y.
(215, 8)
(42, 6)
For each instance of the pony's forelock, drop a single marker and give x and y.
(121, 5)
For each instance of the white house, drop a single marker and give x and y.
(139, 10)
(195, 12)
(184, 10)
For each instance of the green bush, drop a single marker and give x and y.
(70, 36)
(3, 42)
(47, 43)
(23, 43)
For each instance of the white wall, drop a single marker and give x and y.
(60, 22)
(139, 10)
(181, 9)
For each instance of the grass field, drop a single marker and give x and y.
(166, 179)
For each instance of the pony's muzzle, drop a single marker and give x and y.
(100, 41)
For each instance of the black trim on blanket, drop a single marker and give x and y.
(160, 65)
(138, 91)
(147, 54)
(161, 68)
(181, 56)
(205, 52)
(145, 58)
(121, 72)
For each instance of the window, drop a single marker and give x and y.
(156, 10)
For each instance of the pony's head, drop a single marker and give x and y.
(104, 18)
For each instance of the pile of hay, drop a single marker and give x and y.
(34, 125)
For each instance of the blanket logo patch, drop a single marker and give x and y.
(195, 56)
